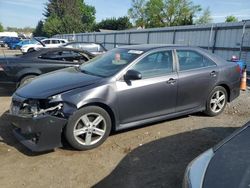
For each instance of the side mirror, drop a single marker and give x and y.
(132, 75)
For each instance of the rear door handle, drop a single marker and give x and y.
(213, 74)
(171, 81)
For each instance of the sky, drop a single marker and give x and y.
(22, 13)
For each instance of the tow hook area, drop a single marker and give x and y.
(39, 133)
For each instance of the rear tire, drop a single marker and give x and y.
(88, 128)
(216, 101)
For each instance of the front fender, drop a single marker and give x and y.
(104, 95)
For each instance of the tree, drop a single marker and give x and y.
(138, 13)
(121, 23)
(231, 18)
(161, 13)
(180, 12)
(155, 13)
(39, 30)
(205, 17)
(20, 30)
(1, 28)
(63, 16)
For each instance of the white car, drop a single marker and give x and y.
(45, 43)
(94, 48)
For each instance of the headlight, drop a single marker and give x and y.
(29, 107)
(55, 98)
(195, 171)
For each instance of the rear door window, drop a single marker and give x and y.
(189, 60)
(50, 56)
(55, 42)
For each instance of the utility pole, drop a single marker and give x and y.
(242, 36)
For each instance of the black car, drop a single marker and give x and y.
(126, 87)
(225, 165)
(14, 71)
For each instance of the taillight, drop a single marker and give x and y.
(238, 69)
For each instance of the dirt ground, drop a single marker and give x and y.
(155, 155)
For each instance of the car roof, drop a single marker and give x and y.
(53, 39)
(75, 42)
(147, 47)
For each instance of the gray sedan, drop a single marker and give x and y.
(126, 87)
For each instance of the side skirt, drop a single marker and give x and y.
(157, 119)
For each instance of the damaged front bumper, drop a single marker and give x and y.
(39, 133)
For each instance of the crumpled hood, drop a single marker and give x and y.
(56, 82)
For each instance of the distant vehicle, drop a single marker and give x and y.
(24, 42)
(94, 48)
(242, 64)
(10, 42)
(224, 166)
(14, 71)
(125, 87)
(45, 43)
(8, 34)
(40, 38)
(13, 42)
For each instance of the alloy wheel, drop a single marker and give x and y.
(218, 101)
(90, 129)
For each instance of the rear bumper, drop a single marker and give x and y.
(38, 133)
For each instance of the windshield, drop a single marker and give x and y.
(110, 63)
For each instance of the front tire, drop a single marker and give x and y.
(25, 79)
(88, 128)
(31, 50)
(216, 101)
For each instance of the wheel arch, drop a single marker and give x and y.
(227, 88)
(31, 48)
(28, 71)
(28, 74)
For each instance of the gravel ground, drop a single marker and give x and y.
(155, 155)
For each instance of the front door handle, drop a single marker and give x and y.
(171, 81)
(213, 74)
